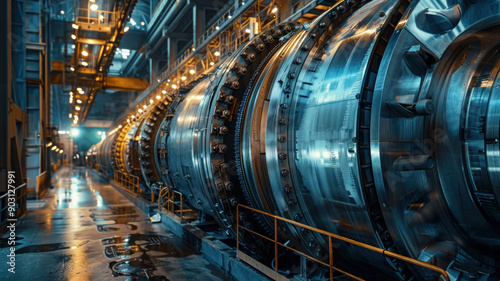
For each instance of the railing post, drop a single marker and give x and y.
(237, 228)
(276, 243)
(181, 207)
(330, 251)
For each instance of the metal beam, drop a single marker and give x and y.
(125, 84)
(114, 83)
(91, 41)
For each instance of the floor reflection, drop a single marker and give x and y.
(64, 238)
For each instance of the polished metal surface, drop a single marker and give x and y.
(379, 121)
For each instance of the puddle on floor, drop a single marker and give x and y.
(41, 248)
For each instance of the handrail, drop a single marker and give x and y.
(128, 181)
(19, 187)
(170, 202)
(21, 200)
(95, 17)
(331, 236)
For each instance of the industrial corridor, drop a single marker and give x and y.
(84, 230)
(250, 140)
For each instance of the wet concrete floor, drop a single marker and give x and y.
(85, 230)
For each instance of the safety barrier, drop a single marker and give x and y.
(21, 193)
(95, 17)
(330, 236)
(171, 200)
(128, 181)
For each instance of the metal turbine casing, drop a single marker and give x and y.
(379, 121)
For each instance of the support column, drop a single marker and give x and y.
(198, 23)
(172, 50)
(5, 89)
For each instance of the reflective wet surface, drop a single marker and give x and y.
(84, 230)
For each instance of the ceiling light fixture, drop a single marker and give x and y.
(74, 25)
(126, 29)
(217, 53)
(192, 71)
(73, 36)
(183, 78)
(94, 7)
(158, 97)
(85, 53)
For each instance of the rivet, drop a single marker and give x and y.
(224, 167)
(226, 113)
(298, 217)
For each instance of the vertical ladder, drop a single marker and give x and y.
(36, 97)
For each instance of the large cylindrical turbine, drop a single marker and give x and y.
(379, 121)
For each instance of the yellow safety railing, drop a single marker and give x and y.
(95, 17)
(330, 236)
(128, 181)
(171, 200)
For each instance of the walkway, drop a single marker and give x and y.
(84, 230)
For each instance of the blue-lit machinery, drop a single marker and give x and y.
(379, 122)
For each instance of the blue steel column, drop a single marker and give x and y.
(5, 90)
